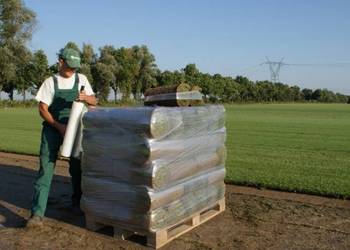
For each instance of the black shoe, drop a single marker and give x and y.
(35, 221)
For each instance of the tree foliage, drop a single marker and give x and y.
(16, 26)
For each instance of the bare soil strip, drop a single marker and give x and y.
(254, 219)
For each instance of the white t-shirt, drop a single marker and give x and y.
(47, 89)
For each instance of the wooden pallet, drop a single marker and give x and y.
(164, 236)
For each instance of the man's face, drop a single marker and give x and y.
(64, 69)
(61, 64)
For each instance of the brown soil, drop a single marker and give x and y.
(254, 219)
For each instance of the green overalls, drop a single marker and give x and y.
(51, 141)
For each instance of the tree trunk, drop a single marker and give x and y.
(11, 95)
(0, 91)
(115, 96)
(24, 95)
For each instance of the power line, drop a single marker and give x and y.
(343, 64)
(275, 67)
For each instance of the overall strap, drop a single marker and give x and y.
(76, 82)
(55, 83)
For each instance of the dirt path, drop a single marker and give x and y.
(254, 219)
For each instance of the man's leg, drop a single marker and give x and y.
(75, 172)
(50, 143)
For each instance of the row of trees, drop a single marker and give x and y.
(126, 72)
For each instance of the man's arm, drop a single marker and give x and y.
(46, 115)
(91, 100)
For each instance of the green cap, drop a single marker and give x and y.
(71, 57)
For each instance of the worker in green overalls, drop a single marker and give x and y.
(55, 97)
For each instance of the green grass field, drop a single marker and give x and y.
(294, 147)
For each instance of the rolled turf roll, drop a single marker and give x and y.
(159, 174)
(167, 174)
(182, 87)
(186, 206)
(180, 99)
(156, 122)
(196, 102)
(156, 165)
(138, 150)
(172, 100)
(159, 218)
(142, 199)
(146, 121)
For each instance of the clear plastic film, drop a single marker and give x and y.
(148, 167)
(157, 164)
(143, 199)
(159, 218)
(157, 122)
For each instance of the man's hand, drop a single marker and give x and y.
(82, 96)
(88, 99)
(46, 115)
(61, 128)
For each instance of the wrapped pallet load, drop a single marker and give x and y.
(147, 168)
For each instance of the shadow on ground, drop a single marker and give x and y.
(254, 219)
(17, 190)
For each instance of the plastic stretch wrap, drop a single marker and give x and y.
(147, 168)
(72, 128)
(157, 122)
(159, 218)
(139, 150)
(157, 164)
(141, 198)
(77, 146)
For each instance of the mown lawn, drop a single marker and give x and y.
(294, 147)
(20, 130)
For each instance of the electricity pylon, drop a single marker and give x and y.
(275, 68)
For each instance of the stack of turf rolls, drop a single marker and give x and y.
(180, 95)
(148, 168)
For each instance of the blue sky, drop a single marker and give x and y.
(226, 37)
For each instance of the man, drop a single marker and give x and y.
(55, 97)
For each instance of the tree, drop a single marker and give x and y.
(191, 69)
(7, 67)
(88, 55)
(316, 95)
(296, 95)
(20, 82)
(23, 73)
(16, 26)
(169, 78)
(38, 70)
(88, 60)
(110, 64)
(16, 22)
(231, 90)
(102, 77)
(307, 93)
(248, 91)
(127, 72)
(146, 71)
(205, 82)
